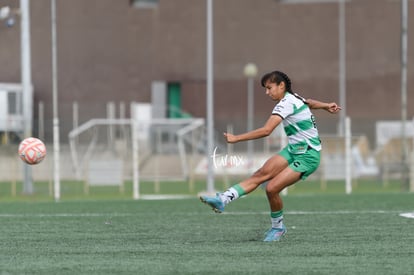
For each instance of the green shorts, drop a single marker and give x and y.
(305, 163)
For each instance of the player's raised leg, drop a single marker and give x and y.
(271, 168)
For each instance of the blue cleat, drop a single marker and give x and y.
(214, 202)
(274, 234)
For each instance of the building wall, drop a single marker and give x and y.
(111, 51)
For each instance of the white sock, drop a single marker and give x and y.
(230, 195)
(277, 219)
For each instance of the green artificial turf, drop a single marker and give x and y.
(327, 234)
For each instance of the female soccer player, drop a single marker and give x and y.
(296, 161)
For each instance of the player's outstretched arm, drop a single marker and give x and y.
(331, 107)
(264, 131)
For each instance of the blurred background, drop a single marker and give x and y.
(87, 69)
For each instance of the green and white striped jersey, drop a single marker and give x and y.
(298, 122)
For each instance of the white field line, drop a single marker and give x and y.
(68, 215)
(408, 215)
(337, 212)
(71, 215)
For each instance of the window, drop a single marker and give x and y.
(144, 3)
(12, 103)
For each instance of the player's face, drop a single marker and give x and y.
(274, 91)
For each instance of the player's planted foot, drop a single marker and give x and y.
(274, 234)
(214, 202)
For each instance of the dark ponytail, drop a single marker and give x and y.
(277, 77)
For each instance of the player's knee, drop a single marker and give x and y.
(271, 190)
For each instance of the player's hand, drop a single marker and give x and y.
(230, 138)
(333, 108)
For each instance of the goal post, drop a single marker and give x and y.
(150, 150)
(411, 188)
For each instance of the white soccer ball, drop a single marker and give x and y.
(32, 150)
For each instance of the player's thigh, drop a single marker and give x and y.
(282, 180)
(273, 166)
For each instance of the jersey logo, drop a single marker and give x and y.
(279, 108)
(313, 121)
